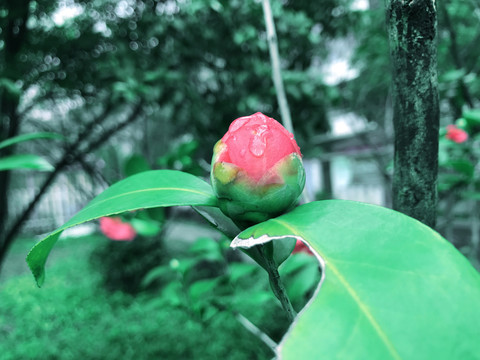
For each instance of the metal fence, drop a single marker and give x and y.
(72, 191)
(352, 179)
(62, 200)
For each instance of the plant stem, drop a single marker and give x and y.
(276, 283)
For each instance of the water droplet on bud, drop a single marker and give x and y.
(237, 124)
(261, 129)
(257, 145)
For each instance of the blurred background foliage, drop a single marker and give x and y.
(133, 85)
(192, 305)
(195, 66)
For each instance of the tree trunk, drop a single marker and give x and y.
(412, 27)
(14, 34)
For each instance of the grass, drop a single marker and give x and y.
(73, 317)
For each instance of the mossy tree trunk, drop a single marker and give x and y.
(412, 27)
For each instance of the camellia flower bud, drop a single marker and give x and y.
(456, 134)
(115, 229)
(257, 171)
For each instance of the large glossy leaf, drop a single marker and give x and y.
(391, 287)
(25, 162)
(157, 188)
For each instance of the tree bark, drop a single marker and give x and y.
(14, 35)
(412, 27)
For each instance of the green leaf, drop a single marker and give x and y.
(240, 269)
(472, 117)
(156, 188)
(25, 161)
(156, 274)
(301, 275)
(392, 288)
(463, 166)
(183, 266)
(10, 87)
(203, 288)
(136, 164)
(207, 249)
(28, 137)
(173, 293)
(146, 227)
(471, 195)
(453, 75)
(448, 181)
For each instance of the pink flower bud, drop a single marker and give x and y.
(257, 171)
(115, 229)
(455, 134)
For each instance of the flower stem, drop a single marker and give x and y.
(276, 283)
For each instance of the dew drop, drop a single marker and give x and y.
(257, 145)
(237, 124)
(243, 152)
(261, 129)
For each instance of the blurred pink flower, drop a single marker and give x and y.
(455, 134)
(301, 247)
(114, 228)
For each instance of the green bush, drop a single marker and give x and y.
(74, 317)
(123, 264)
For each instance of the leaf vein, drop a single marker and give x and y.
(143, 190)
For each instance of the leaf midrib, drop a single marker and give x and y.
(144, 190)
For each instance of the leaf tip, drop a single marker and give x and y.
(37, 257)
(38, 272)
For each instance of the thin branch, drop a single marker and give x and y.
(276, 71)
(68, 158)
(455, 52)
(107, 134)
(247, 324)
(277, 75)
(94, 173)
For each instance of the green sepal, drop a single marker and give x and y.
(247, 201)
